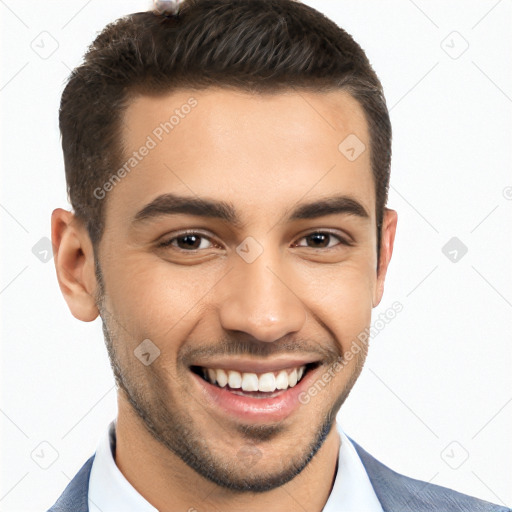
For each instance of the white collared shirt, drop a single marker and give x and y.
(109, 491)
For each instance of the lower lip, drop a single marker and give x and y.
(255, 409)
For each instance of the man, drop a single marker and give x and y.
(228, 166)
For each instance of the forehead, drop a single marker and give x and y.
(264, 151)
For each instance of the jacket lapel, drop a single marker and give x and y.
(75, 495)
(398, 493)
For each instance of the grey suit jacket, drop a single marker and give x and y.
(396, 493)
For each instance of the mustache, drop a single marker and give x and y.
(327, 352)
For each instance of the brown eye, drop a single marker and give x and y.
(188, 242)
(322, 240)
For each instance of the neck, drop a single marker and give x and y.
(167, 483)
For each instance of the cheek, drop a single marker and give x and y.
(344, 303)
(156, 300)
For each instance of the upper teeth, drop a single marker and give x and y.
(268, 382)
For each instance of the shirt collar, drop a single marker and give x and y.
(352, 490)
(109, 491)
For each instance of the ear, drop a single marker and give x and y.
(74, 262)
(386, 250)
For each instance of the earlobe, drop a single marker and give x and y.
(74, 263)
(389, 224)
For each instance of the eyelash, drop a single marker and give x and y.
(168, 242)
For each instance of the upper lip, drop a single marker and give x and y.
(256, 366)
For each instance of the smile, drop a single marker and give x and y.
(247, 381)
(254, 395)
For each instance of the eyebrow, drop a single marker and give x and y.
(171, 204)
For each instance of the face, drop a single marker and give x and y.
(241, 246)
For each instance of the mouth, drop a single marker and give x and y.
(257, 385)
(254, 395)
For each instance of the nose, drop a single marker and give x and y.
(260, 300)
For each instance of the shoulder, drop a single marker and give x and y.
(399, 493)
(74, 498)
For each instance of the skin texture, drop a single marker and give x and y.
(264, 154)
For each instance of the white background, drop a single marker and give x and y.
(437, 386)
